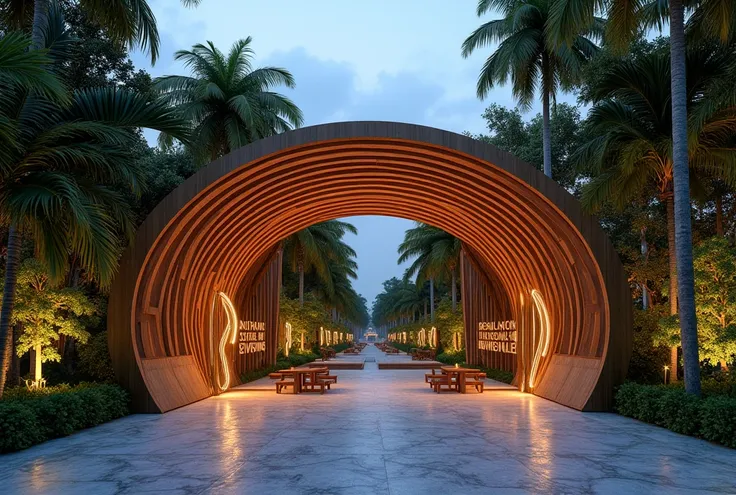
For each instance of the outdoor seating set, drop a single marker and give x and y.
(354, 349)
(327, 353)
(303, 380)
(387, 349)
(423, 354)
(455, 379)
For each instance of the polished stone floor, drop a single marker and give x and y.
(375, 432)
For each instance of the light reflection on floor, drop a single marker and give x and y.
(375, 432)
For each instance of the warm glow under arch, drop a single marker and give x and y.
(213, 232)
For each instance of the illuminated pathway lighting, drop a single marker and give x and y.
(544, 334)
(232, 327)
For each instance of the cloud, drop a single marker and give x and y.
(328, 91)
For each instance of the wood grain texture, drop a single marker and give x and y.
(524, 230)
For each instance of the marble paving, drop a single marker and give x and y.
(376, 432)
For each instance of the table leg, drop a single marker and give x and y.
(297, 383)
(461, 382)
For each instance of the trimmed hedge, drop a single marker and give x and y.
(282, 363)
(712, 418)
(31, 417)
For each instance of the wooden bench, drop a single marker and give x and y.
(275, 376)
(312, 386)
(280, 385)
(429, 376)
(475, 380)
(444, 380)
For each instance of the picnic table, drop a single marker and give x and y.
(301, 375)
(461, 374)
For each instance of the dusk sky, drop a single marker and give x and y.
(396, 60)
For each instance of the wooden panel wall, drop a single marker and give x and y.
(219, 226)
(176, 381)
(484, 300)
(259, 301)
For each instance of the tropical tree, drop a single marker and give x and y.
(45, 312)
(630, 129)
(60, 176)
(715, 298)
(130, 22)
(527, 56)
(436, 257)
(320, 247)
(708, 19)
(228, 103)
(509, 132)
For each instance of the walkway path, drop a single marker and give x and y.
(375, 432)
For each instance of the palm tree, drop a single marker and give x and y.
(319, 247)
(526, 56)
(709, 19)
(59, 179)
(436, 257)
(630, 148)
(128, 21)
(229, 103)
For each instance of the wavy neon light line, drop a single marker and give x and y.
(544, 334)
(231, 328)
(287, 347)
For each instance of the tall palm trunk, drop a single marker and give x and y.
(301, 285)
(40, 20)
(6, 310)
(454, 290)
(644, 255)
(546, 131)
(671, 247)
(683, 228)
(719, 215)
(431, 300)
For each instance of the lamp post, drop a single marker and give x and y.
(666, 369)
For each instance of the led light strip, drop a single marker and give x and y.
(287, 348)
(544, 335)
(232, 327)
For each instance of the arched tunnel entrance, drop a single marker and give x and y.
(531, 256)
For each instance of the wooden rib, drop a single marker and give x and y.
(524, 231)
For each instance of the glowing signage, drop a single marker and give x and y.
(252, 337)
(497, 336)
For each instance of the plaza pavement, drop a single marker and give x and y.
(375, 432)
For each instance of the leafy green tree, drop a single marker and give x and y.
(45, 312)
(58, 178)
(228, 103)
(630, 136)
(527, 56)
(715, 301)
(509, 132)
(708, 19)
(127, 22)
(320, 247)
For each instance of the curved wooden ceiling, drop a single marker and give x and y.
(211, 232)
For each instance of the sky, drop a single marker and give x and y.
(396, 60)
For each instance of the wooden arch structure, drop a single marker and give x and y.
(526, 240)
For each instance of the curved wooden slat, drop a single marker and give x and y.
(214, 230)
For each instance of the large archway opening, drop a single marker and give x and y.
(541, 261)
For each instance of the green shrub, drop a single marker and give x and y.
(718, 420)
(31, 417)
(711, 417)
(297, 359)
(680, 412)
(451, 357)
(94, 358)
